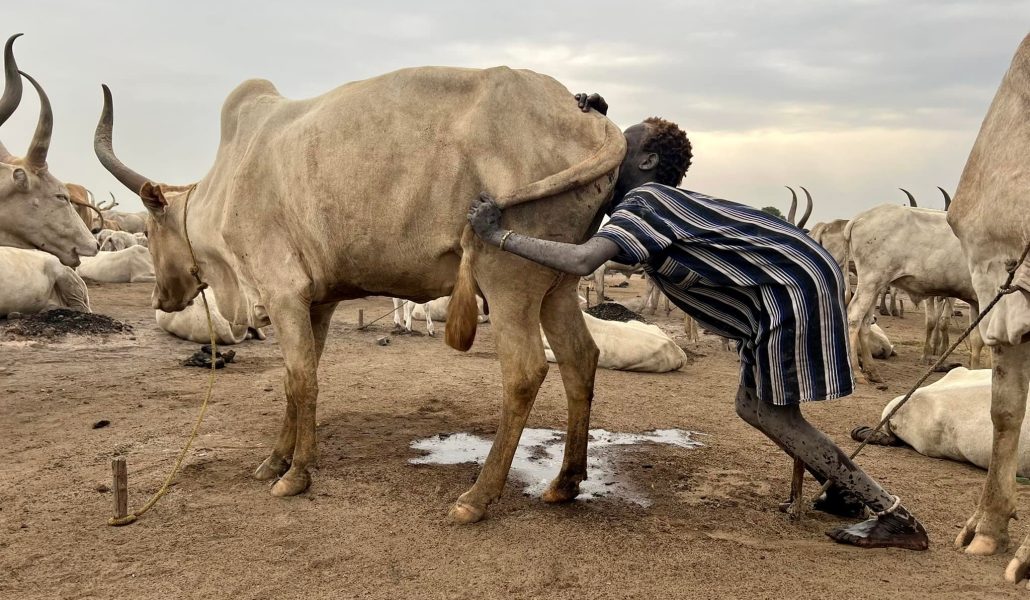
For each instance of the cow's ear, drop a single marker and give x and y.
(21, 179)
(153, 198)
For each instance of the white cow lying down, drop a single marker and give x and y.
(434, 310)
(191, 324)
(32, 281)
(630, 346)
(879, 346)
(131, 265)
(952, 419)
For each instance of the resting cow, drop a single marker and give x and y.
(36, 212)
(113, 240)
(132, 265)
(630, 346)
(33, 281)
(950, 418)
(191, 323)
(291, 212)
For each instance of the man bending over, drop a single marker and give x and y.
(745, 275)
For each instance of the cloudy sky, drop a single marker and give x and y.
(851, 99)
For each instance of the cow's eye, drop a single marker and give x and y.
(63, 197)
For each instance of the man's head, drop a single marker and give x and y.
(657, 151)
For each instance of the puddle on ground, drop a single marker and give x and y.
(539, 457)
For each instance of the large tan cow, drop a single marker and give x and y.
(991, 217)
(82, 201)
(914, 250)
(35, 208)
(292, 210)
(32, 281)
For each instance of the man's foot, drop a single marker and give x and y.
(896, 530)
(864, 433)
(836, 501)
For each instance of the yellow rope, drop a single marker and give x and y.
(195, 271)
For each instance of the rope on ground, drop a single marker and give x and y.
(1002, 292)
(384, 316)
(195, 271)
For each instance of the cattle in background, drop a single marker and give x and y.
(131, 265)
(914, 250)
(630, 346)
(191, 323)
(288, 171)
(42, 282)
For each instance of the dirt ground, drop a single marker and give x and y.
(373, 525)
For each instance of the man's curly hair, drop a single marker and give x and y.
(673, 148)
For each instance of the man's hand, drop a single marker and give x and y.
(594, 101)
(485, 217)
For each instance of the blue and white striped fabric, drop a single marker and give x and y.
(748, 276)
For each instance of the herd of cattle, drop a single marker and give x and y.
(288, 263)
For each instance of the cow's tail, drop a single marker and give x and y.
(463, 312)
(71, 290)
(847, 262)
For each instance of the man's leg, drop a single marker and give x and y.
(788, 428)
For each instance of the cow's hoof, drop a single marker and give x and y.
(860, 379)
(983, 545)
(874, 377)
(1018, 567)
(464, 514)
(292, 483)
(559, 492)
(272, 468)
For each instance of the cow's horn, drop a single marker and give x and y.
(808, 208)
(911, 198)
(104, 148)
(40, 145)
(12, 89)
(947, 198)
(793, 204)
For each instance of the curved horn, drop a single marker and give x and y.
(947, 198)
(12, 82)
(12, 90)
(40, 145)
(793, 204)
(808, 209)
(104, 148)
(911, 198)
(86, 203)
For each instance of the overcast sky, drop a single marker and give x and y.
(850, 99)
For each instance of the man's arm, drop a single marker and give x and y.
(576, 259)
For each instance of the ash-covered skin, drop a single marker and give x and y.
(784, 425)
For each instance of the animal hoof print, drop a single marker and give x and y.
(291, 484)
(464, 514)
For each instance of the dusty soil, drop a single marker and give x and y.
(373, 525)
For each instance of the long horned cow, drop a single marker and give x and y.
(36, 211)
(290, 214)
(991, 217)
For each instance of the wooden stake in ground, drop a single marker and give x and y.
(361, 318)
(796, 510)
(121, 487)
(588, 296)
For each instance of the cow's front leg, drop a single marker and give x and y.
(292, 319)
(986, 532)
(858, 314)
(576, 354)
(516, 323)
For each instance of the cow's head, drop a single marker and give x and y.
(176, 286)
(35, 204)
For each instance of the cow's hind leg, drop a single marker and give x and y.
(576, 354)
(515, 315)
(859, 314)
(986, 532)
